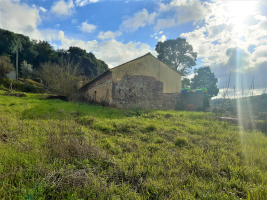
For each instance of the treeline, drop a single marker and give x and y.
(36, 53)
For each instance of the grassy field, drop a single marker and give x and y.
(52, 149)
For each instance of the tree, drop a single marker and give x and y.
(88, 63)
(5, 66)
(205, 78)
(185, 82)
(60, 78)
(26, 70)
(36, 52)
(178, 54)
(46, 53)
(10, 42)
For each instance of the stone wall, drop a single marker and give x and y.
(150, 66)
(170, 100)
(98, 92)
(193, 98)
(144, 92)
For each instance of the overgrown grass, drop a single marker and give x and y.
(61, 150)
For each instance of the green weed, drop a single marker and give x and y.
(181, 141)
(51, 149)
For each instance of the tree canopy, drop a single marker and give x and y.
(5, 65)
(37, 52)
(205, 78)
(178, 54)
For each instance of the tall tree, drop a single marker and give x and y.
(37, 52)
(5, 65)
(178, 54)
(185, 82)
(9, 42)
(88, 63)
(205, 78)
(46, 53)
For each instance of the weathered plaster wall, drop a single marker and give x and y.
(100, 91)
(144, 92)
(150, 66)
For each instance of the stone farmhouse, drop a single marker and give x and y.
(144, 82)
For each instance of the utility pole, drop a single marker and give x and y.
(17, 63)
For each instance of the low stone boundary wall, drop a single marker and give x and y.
(193, 100)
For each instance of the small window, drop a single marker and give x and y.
(95, 96)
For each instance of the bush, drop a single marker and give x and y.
(5, 65)
(181, 141)
(261, 125)
(2, 87)
(19, 86)
(60, 78)
(26, 70)
(150, 127)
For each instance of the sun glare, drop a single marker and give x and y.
(239, 10)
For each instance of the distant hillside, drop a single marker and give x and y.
(37, 52)
(257, 103)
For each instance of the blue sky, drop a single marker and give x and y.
(229, 36)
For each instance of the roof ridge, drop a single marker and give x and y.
(149, 53)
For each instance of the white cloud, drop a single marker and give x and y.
(165, 23)
(139, 19)
(161, 32)
(108, 35)
(112, 51)
(156, 37)
(84, 2)
(260, 54)
(50, 34)
(192, 11)
(88, 28)
(63, 8)
(42, 9)
(162, 38)
(74, 21)
(20, 18)
(223, 44)
(57, 25)
(183, 11)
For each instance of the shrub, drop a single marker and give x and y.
(159, 140)
(60, 78)
(181, 141)
(24, 87)
(2, 87)
(150, 127)
(5, 65)
(26, 70)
